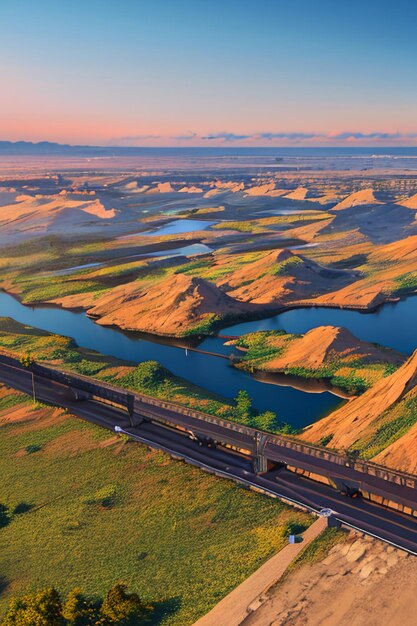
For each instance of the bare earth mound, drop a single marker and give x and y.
(174, 306)
(325, 344)
(348, 424)
(364, 196)
(283, 277)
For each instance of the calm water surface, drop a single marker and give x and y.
(393, 325)
(213, 373)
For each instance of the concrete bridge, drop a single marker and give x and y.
(267, 451)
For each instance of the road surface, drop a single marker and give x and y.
(387, 524)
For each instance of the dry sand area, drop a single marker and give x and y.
(360, 582)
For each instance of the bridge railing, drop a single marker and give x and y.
(108, 390)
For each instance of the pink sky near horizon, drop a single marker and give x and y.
(173, 72)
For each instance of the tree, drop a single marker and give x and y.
(120, 607)
(42, 608)
(5, 516)
(27, 359)
(265, 420)
(149, 374)
(243, 405)
(78, 610)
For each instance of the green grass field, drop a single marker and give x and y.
(102, 513)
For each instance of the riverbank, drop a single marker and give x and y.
(214, 375)
(326, 353)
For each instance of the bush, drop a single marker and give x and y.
(120, 607)
(293, 528)
(45, 608)
(78, 610)
(42, 608)
(27, 359)
(5, 516)
(31, 448)
(106, 496)
(149, 375)
(205, 326)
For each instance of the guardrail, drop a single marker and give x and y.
(127, 398)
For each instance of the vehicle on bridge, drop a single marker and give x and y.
(350, 492)
(202, 440)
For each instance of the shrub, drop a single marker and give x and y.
(205, 326)
(5, 516)
(106, 496)
(120, 607)
(42, 608)
(293, 528)
(33, 447)
(78, 610)
(149, 375)
(27, 359)
(265, 421)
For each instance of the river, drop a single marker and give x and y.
(215, 374)
(392, 325)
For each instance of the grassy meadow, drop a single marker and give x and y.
(87, 509)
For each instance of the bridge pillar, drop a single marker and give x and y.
(130, 401)
(260, 462)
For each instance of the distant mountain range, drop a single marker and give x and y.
(50, 148)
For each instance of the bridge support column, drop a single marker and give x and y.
(130, 401)
(260, 462)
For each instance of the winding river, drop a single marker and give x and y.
(392, 325)
(292, 405)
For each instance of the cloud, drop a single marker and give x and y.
(295, 138)
(268, 136)
(188, 136)
(302, 136)
(133, 139)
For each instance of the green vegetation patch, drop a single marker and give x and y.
(352, 375)
(407, 282)
(180, 538)
(394, 423)
(285, 268)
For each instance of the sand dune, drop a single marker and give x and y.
(298, 194)
(349, 424)
(325, 344)
(282, 277)
(171, 307)
(364, 196)
(410, 203)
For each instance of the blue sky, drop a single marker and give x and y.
(191, 73)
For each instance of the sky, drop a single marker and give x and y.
(209, 72)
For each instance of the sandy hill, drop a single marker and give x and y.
(360, 417)
(170, 307)
(378, 222)
(402, 250)
(267, 189)
(410, 203)
(40, 215)
(358, 198)
(362, 294)
(326, 344)
(161, 188)
(282, 277)
(298, 194)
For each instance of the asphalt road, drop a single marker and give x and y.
(387, 524)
